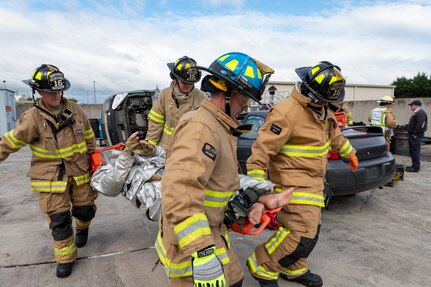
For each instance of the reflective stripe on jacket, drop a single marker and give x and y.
(165, 114)
(201, 174)
(292, 148)
(56, 156)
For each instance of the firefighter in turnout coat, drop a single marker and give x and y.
(291, 149)
(173, 102)
(60, 137)
(201, 174)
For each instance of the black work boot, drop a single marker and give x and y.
(64, 269)
(81, 237)
(308, 279)
(266, 283)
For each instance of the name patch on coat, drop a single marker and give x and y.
(275, 129)
(209, 151)
(79, 132)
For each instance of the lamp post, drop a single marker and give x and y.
(94, 91)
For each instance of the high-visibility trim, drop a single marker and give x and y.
(222, 255)
(168, 130)
(65, 251)
(307, 198)
(88, 134)
(227, 238)
(14, 142)
(191, 229)
(82, 224)
(60, 153)
(215, 198)
(279, 236)
(260, 270)
(158, 118)
(258, 174)
(305, 151)
(184, 269)
(298, 272)
(82, 179)
(346, 149)
(151, 142)
(48, 186)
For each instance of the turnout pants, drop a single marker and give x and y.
(58, 208)
(288, 249)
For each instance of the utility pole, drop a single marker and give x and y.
(94, 91)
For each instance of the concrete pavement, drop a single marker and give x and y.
(376, 238)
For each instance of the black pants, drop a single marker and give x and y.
(415, 150)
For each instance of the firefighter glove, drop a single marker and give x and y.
(353, 162)
(207, 269)
(131, 144)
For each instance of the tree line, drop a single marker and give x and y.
(417, 87)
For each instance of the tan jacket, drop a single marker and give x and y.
(68, 148)
(292, 148)
(201, 174)
(166, 113)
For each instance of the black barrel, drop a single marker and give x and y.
(400, 141)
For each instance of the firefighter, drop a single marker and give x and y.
(342, 114)
(201, 174)
(60, 137)
(291, 149)
(173, 102)
(384, 117)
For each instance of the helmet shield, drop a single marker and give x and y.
(184, 69)
(48, 78)
(324, 81)
(242, 73)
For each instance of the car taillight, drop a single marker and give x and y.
(333, 155)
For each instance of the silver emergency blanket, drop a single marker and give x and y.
(133, 177)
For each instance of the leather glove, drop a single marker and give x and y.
(207, 269)
(131, 144)
(353, 162)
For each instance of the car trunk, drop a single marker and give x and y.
(367, 140)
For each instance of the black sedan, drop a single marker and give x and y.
(376, 163)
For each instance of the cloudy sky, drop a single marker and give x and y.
(116, 46)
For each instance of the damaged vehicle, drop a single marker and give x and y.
(125, 113)
(376, 163)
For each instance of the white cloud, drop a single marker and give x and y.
(372, 44)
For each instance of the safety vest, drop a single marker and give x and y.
(378, 118)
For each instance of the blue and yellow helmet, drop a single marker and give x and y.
(239, 72)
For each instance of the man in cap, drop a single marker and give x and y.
(416, 128)
(60, 137)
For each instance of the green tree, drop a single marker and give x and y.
(417, 87)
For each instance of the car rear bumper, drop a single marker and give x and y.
(370, 173)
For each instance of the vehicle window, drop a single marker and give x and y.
(257, 122)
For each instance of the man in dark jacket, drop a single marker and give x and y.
(416, 128)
